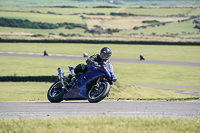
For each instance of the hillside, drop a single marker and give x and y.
(172, 21)
(112, 3)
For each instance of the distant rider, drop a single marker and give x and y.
(96, 60)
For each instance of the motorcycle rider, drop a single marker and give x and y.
(100, 59)
(96, 60)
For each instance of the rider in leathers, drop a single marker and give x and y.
(95, 60)
(100, 59)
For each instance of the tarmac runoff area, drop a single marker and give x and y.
(73, 57)
(112, 108)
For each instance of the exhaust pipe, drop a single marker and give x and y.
(60, 73)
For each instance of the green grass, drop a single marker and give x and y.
(120, 90)
(123, 23)
(47, 18)
(33, 66)
(53, 3)
(59, 10)
(125, 72)
(40, 31)
(194, 36)
(137, 11)
(151, 52)
(157, 12)
(157, 74)
(37, 91)
(195, 12)
(101, 125)
(24, 91)
(187, 27)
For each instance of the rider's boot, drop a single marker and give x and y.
(68, 78)
(72, 81)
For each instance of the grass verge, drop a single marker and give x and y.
(101, 125)
(24, 91)
(37, 91)
(125, 72)
(149, 99)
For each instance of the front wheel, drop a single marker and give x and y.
(56, 92)
(98, 93)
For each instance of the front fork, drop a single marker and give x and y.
(98, 83)
(61, 77)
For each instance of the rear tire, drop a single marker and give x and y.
(56, 92)
(95, 98)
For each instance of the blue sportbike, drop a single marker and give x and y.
(92, 85)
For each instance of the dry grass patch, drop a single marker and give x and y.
(118, 22)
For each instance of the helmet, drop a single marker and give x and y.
(105, 53)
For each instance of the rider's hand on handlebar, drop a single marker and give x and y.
(96, 64)
(103, 63)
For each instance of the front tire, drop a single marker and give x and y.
(56, 92)
(96, 94)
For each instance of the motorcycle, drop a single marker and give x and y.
(93, 85)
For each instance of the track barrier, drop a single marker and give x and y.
(28, 78)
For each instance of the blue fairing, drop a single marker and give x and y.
(114, 79)
(79, 91)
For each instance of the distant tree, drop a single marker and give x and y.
(4, 22)
(51, 34)
(61, 34)
(69, 27)
(151, 21)
(38, 35)
(135, 28)
(109, 31)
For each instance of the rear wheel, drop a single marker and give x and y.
(56, 92)
(98, 93)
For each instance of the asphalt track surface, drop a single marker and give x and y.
(172, 109)
(73, 57)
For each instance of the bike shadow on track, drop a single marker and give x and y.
(64, 102)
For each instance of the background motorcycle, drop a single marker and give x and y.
(93, 85)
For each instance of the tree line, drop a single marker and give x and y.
(19, 23)
(123, 14)
(151, 21)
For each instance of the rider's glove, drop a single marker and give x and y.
(96, 64)
(103, 63)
